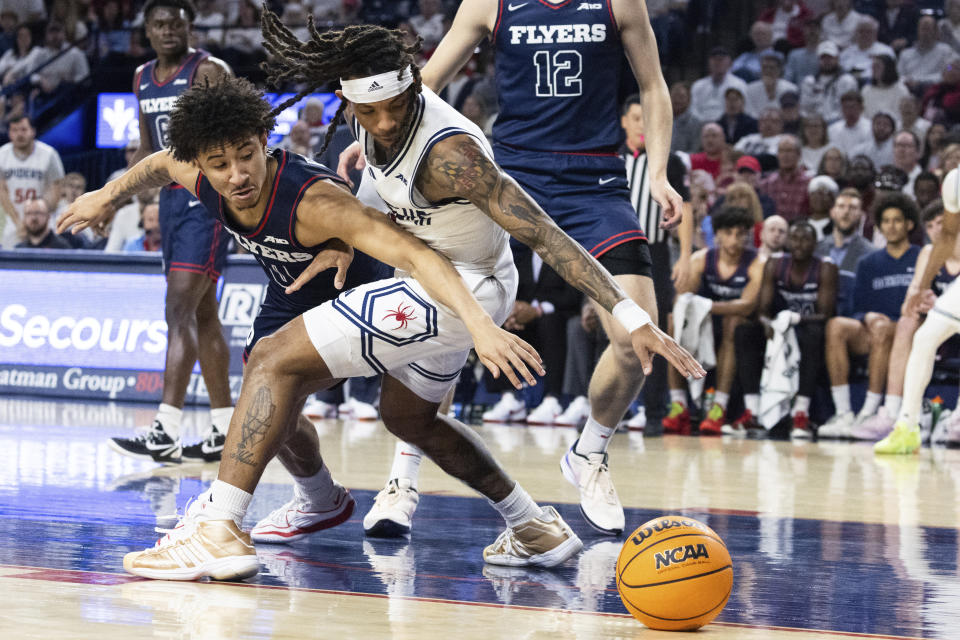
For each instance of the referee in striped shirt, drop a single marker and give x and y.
(650, 215)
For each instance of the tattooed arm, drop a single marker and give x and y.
(98, 207)
(458, 167)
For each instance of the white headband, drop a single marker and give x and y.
(376, 88)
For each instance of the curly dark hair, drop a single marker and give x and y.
(186, 5)
(900, 201)
(356, 51)
(213, 115)
(732, 217)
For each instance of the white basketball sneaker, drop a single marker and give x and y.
(318, 409)
(541, 542)
(299, 517)
(599, 502)
(639, 420)
(507, 409)
(546, 413)
(357, 410)
(576, 413)
(392, 510)
(839, 426)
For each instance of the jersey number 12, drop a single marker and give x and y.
(558, 75)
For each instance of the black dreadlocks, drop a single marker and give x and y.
(355, 52)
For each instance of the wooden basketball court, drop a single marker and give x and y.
(827, 540)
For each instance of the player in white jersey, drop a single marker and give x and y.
(943, 320)
(558, 69)
(31, 169)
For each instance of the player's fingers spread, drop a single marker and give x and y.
(301, 280)
(517, 362)
(491, 367)
(512, 376)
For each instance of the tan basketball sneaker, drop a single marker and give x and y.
(194, 549)
(542, 542)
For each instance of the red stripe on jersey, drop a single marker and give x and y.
(276, 181)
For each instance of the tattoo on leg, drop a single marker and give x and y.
(255, 426)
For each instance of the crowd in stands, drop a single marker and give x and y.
(811, 154)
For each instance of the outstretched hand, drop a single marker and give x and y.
(351, 158)
(89, 210)
(503, 352)
(336, 254)
(649, 339)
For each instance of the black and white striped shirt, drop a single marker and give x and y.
(648, 210)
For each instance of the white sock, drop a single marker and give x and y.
(841, 398)
(170, 417)
(315, 489)
(226, 502)
(752, 402)
(679, 396)
(722, 399)
(892, 404)
(595, 437)
(518, 507)
(220, 418)
(801, 405)
(406, 463)
(871, 404)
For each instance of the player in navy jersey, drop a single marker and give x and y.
(730, 275)
(805, 286)
(558, 68)
(194, 247)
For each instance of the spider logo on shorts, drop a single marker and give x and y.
(402, 314)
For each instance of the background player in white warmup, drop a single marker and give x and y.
(558, 70)
(943, 320)
(30, 169)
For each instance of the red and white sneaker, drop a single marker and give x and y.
(298, 518)
(801, 427)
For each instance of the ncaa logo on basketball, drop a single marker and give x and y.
(240, 303)
(681, 554)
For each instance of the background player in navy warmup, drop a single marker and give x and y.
(194, 246)
(558, 66)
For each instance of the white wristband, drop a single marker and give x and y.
(629, 314)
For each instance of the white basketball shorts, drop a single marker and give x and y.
(948, 304)
(393, 326)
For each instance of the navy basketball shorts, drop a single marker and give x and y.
(193, 240)
(587, 196)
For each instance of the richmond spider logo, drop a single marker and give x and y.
(402, 314)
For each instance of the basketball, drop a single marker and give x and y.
(674, 573)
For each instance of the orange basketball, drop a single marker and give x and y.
(674, 573)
